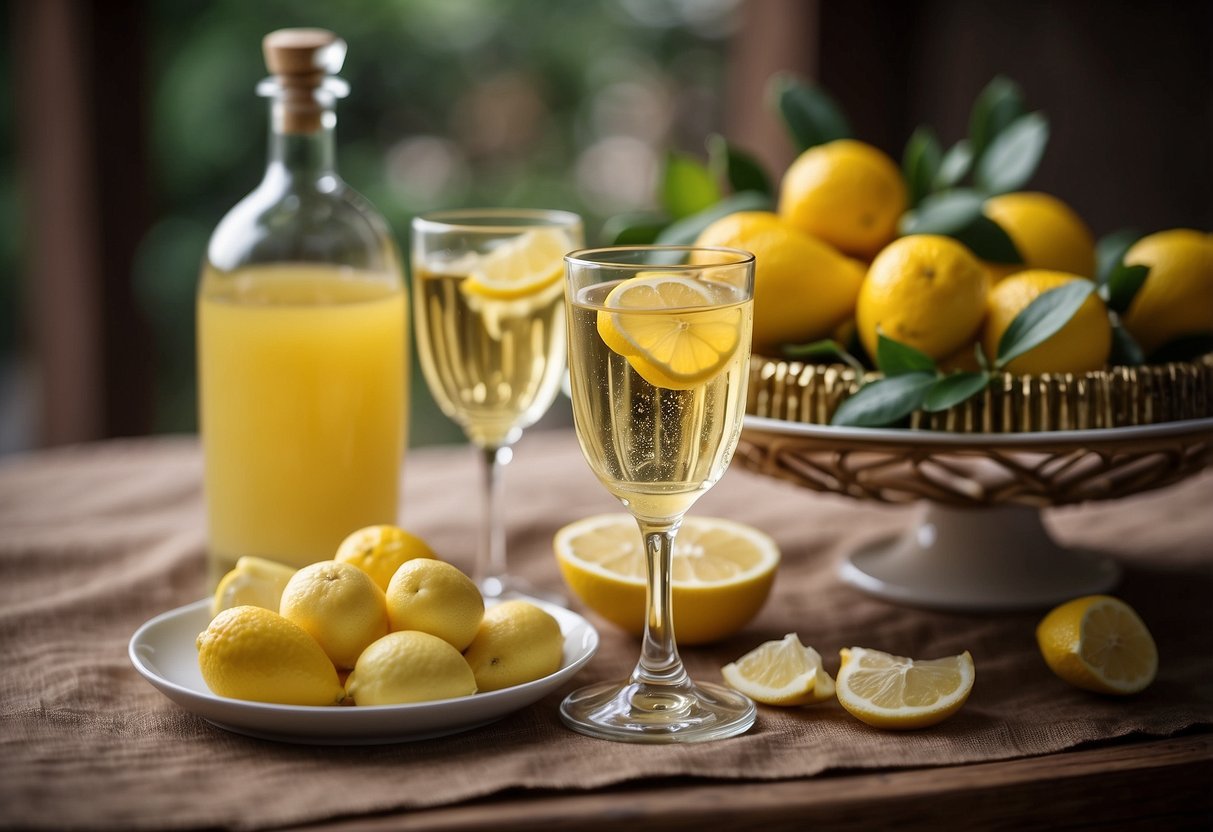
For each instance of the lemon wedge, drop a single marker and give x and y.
(255, 582)
(782, 672)
(523, 266)
(722, 572)
(675, 330)
(1098, 643)
(888, 691)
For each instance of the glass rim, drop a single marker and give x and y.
(582, 257)
(494, 220)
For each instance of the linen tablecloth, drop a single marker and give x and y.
(96, 539)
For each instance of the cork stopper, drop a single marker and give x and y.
(300, 61)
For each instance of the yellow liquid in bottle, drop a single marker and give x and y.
(303, 396)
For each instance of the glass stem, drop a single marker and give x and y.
(659, 662)
(490, 560)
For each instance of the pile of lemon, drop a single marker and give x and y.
(383, 623)
(830, 263)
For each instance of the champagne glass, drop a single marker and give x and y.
(659, 343)
(488, 301)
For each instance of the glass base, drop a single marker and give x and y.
(507, 587)
(637, 712)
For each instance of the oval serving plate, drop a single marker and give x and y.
(163, 652)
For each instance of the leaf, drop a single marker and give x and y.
(1183, 348)
(1110, 251)
(894, 358)
(811, 116)
(1041, 319)
(826, 348)
(687, 186)
(1123, 285)
(955, 165)
(739, 169)
(884, 402)
(996, 106)
(1013, 155)
(987, 239)
(946, 213)
(683, 232)
(633, 229)
(1126, 352)
(951, 390)
(920, 163)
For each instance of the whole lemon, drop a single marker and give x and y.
(252, 653)
(925, 291)
(1046, 231)
(409, 666)
(517, 643)
(380, 550)
(847, 193)
(803, 288)
(338, 605)
(1082, 345)
(436, 598)
(1177, 297)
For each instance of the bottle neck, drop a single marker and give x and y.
(302, 157)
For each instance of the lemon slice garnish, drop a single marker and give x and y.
(675, 330)
(525, 265)
(782, 672)
(1098, 643)
(895, 692)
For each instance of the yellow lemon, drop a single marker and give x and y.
(436, 598)
(721, 574)
(1177, 297)
(675, 330)
(380, 550)
(1082, 345)
(409, 666)
(783, 672)
(803, 288)
(1046, 231)
(895, 692)
(1098, 643)
(253, 582)
(926, 291)
(847, 193)
(528, 264)
(517, 643)
(255, 654)
(339, 606)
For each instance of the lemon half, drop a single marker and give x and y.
(1099, 643)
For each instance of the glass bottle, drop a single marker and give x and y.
(302, 338)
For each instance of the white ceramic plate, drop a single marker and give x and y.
(163, 652)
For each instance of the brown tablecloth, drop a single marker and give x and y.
(94, 540)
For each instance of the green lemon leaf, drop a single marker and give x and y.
(683, 232)
(987, 239)
(996, 106)
(955, 165)
(739, 169)
(920, 163)
(633, 229)
(1183, 348)
(884, 402)
(1013, 155)
(811, 116)
(687, 186)
(1110, 251)
(825, 348)
(1041, 319)
(894, 358)
(946, 212)
(1126, 352)
(1123, 284)
(980, 355)
(953, 389)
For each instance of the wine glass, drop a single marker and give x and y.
(488, 302)
(659, 342)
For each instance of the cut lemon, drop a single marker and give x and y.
(254, 582)
(1098, 643)
(677, 331)
(894, 692)
(722, 573)
(527, 264)
(783, 672)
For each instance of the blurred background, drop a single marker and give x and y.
(128, 129)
